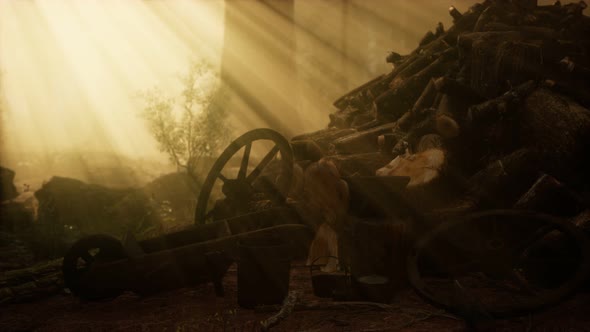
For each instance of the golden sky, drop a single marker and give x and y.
(71, 69)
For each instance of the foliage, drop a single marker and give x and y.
(192, 127)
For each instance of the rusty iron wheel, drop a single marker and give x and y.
(80, 258)
(447, 264)
(242, 188)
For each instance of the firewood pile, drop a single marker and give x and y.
(481, 115)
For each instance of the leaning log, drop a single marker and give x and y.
(363, 141)
(393, 104)
(548, 195)
(494, 109)
(32, 283)
(323, 138)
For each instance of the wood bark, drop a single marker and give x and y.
(362, 141)
(32, 283)
(548, 195)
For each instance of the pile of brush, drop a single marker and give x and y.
(479, 116)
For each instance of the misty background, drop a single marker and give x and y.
(71, 71)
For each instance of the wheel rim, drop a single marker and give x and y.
(536, 299)
(242, 185)
(85, 253)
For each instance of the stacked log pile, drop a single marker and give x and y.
(476, 113)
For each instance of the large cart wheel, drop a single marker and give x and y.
(245, 185)
(504, 263)
(79, 259)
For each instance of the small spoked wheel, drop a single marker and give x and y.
(505, 263)
(83, 255)
(245, 179)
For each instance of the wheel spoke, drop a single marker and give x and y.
(535, 237)
(245, 160)
(208, 215)
(522, 283)
(263, 163)
(222, 177)
(87, 257)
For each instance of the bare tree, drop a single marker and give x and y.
(191, 128)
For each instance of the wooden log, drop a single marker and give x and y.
(465, 24)
(428, 187)
(33, 283)
(560, 127)
(306, 149)
(548, 195)
(401, 99)
(359, 164)
(344, 101)
(453, 87)
(446, 116)
(362, 121)
(324, 138)
(425, 100)
(427, 38)
(526, 4)
(344, 117)
(418, 62)
(502, 182)
(362, 141)
(531, 32)
(428, 142)
(492, 110)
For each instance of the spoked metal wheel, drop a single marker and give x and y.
(248, 180)
(503, 262)
(83, 255)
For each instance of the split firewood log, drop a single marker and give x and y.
(422, 168)
(428, 187)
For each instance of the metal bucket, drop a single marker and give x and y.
(375, 288)
(325, 283)
(264, 268)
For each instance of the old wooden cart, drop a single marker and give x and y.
(447, 264)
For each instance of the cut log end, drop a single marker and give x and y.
(422, 168)
(447, 127)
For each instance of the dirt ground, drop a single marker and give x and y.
(198, 309)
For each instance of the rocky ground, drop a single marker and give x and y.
(198, 309)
